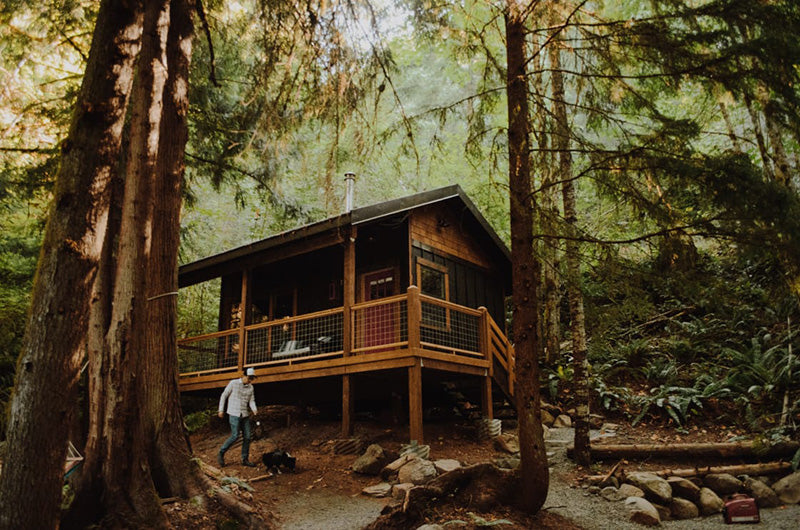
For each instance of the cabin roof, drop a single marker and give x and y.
(210, 267)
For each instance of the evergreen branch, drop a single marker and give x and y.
(201, 13)
(39, 150)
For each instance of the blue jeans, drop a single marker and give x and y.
(236, 424)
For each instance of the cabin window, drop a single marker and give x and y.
(433, 280)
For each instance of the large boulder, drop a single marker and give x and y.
(610, 493)
(684, 488)
(446, 465)
(399, 491)
(372, 461)
(788, 488)
(417, 471)
(654, 487)
(547, 418)
(562, 421)
(709, 502)
(642, 511)
(723, 483)
(507, 442)
(764, 495)
(507, 462)
(389, 471)
(378, 490)
(683, 509)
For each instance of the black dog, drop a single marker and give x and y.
(277, 459)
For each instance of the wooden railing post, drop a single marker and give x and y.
(484, 336)
(243, 319)
(414, 318)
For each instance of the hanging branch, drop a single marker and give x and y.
(212, 74)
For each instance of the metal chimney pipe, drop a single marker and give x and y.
(350, 188)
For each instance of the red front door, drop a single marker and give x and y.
(379, 321)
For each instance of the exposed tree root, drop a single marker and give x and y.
(480, 487)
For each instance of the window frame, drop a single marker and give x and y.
(422, 262)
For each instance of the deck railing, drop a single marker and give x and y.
(409, 320)
(214, 352)
(289, 339)
(380, 325)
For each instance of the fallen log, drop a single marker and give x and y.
(244, 512)
(767, 468)
(691, 450)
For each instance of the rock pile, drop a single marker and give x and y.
(652, 499)
(401, 474)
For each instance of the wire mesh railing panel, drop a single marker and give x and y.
(448, 328)
(204, 354)
(381, 326)
(286, 339)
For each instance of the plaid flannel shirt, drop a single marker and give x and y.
(239, 396)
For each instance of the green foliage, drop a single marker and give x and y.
(668, 345)
(677, 402)
(195, 421)
(762, 375)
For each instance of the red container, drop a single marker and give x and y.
(741, 509)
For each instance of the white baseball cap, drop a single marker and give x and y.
(251, 372)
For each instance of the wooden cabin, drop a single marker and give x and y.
(388, 299)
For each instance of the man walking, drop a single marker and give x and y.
(240, 396)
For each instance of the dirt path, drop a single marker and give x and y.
(326, 510)
(323, 494)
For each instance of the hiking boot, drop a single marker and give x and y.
(248, 463)
(221, 459)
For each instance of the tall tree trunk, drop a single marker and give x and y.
(525, 269)
(117, 453)
(580, 381)
(755, 118)
(171, 456)
(44, 395)
(548, 219)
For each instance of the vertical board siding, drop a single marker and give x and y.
(438, 236)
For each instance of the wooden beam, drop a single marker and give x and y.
(307, 370)
(243, 318)
(487, 409)
(447, 366)
(349, 290)
(415, 403)
(347, 407)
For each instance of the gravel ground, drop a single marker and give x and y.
(326, 510)
(595, 513)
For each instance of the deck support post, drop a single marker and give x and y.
(347, 406)
(348, 301)
(243, 318)
(415, 402)
(487, 408)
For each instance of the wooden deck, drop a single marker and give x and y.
(409, 331)
(387, 333)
